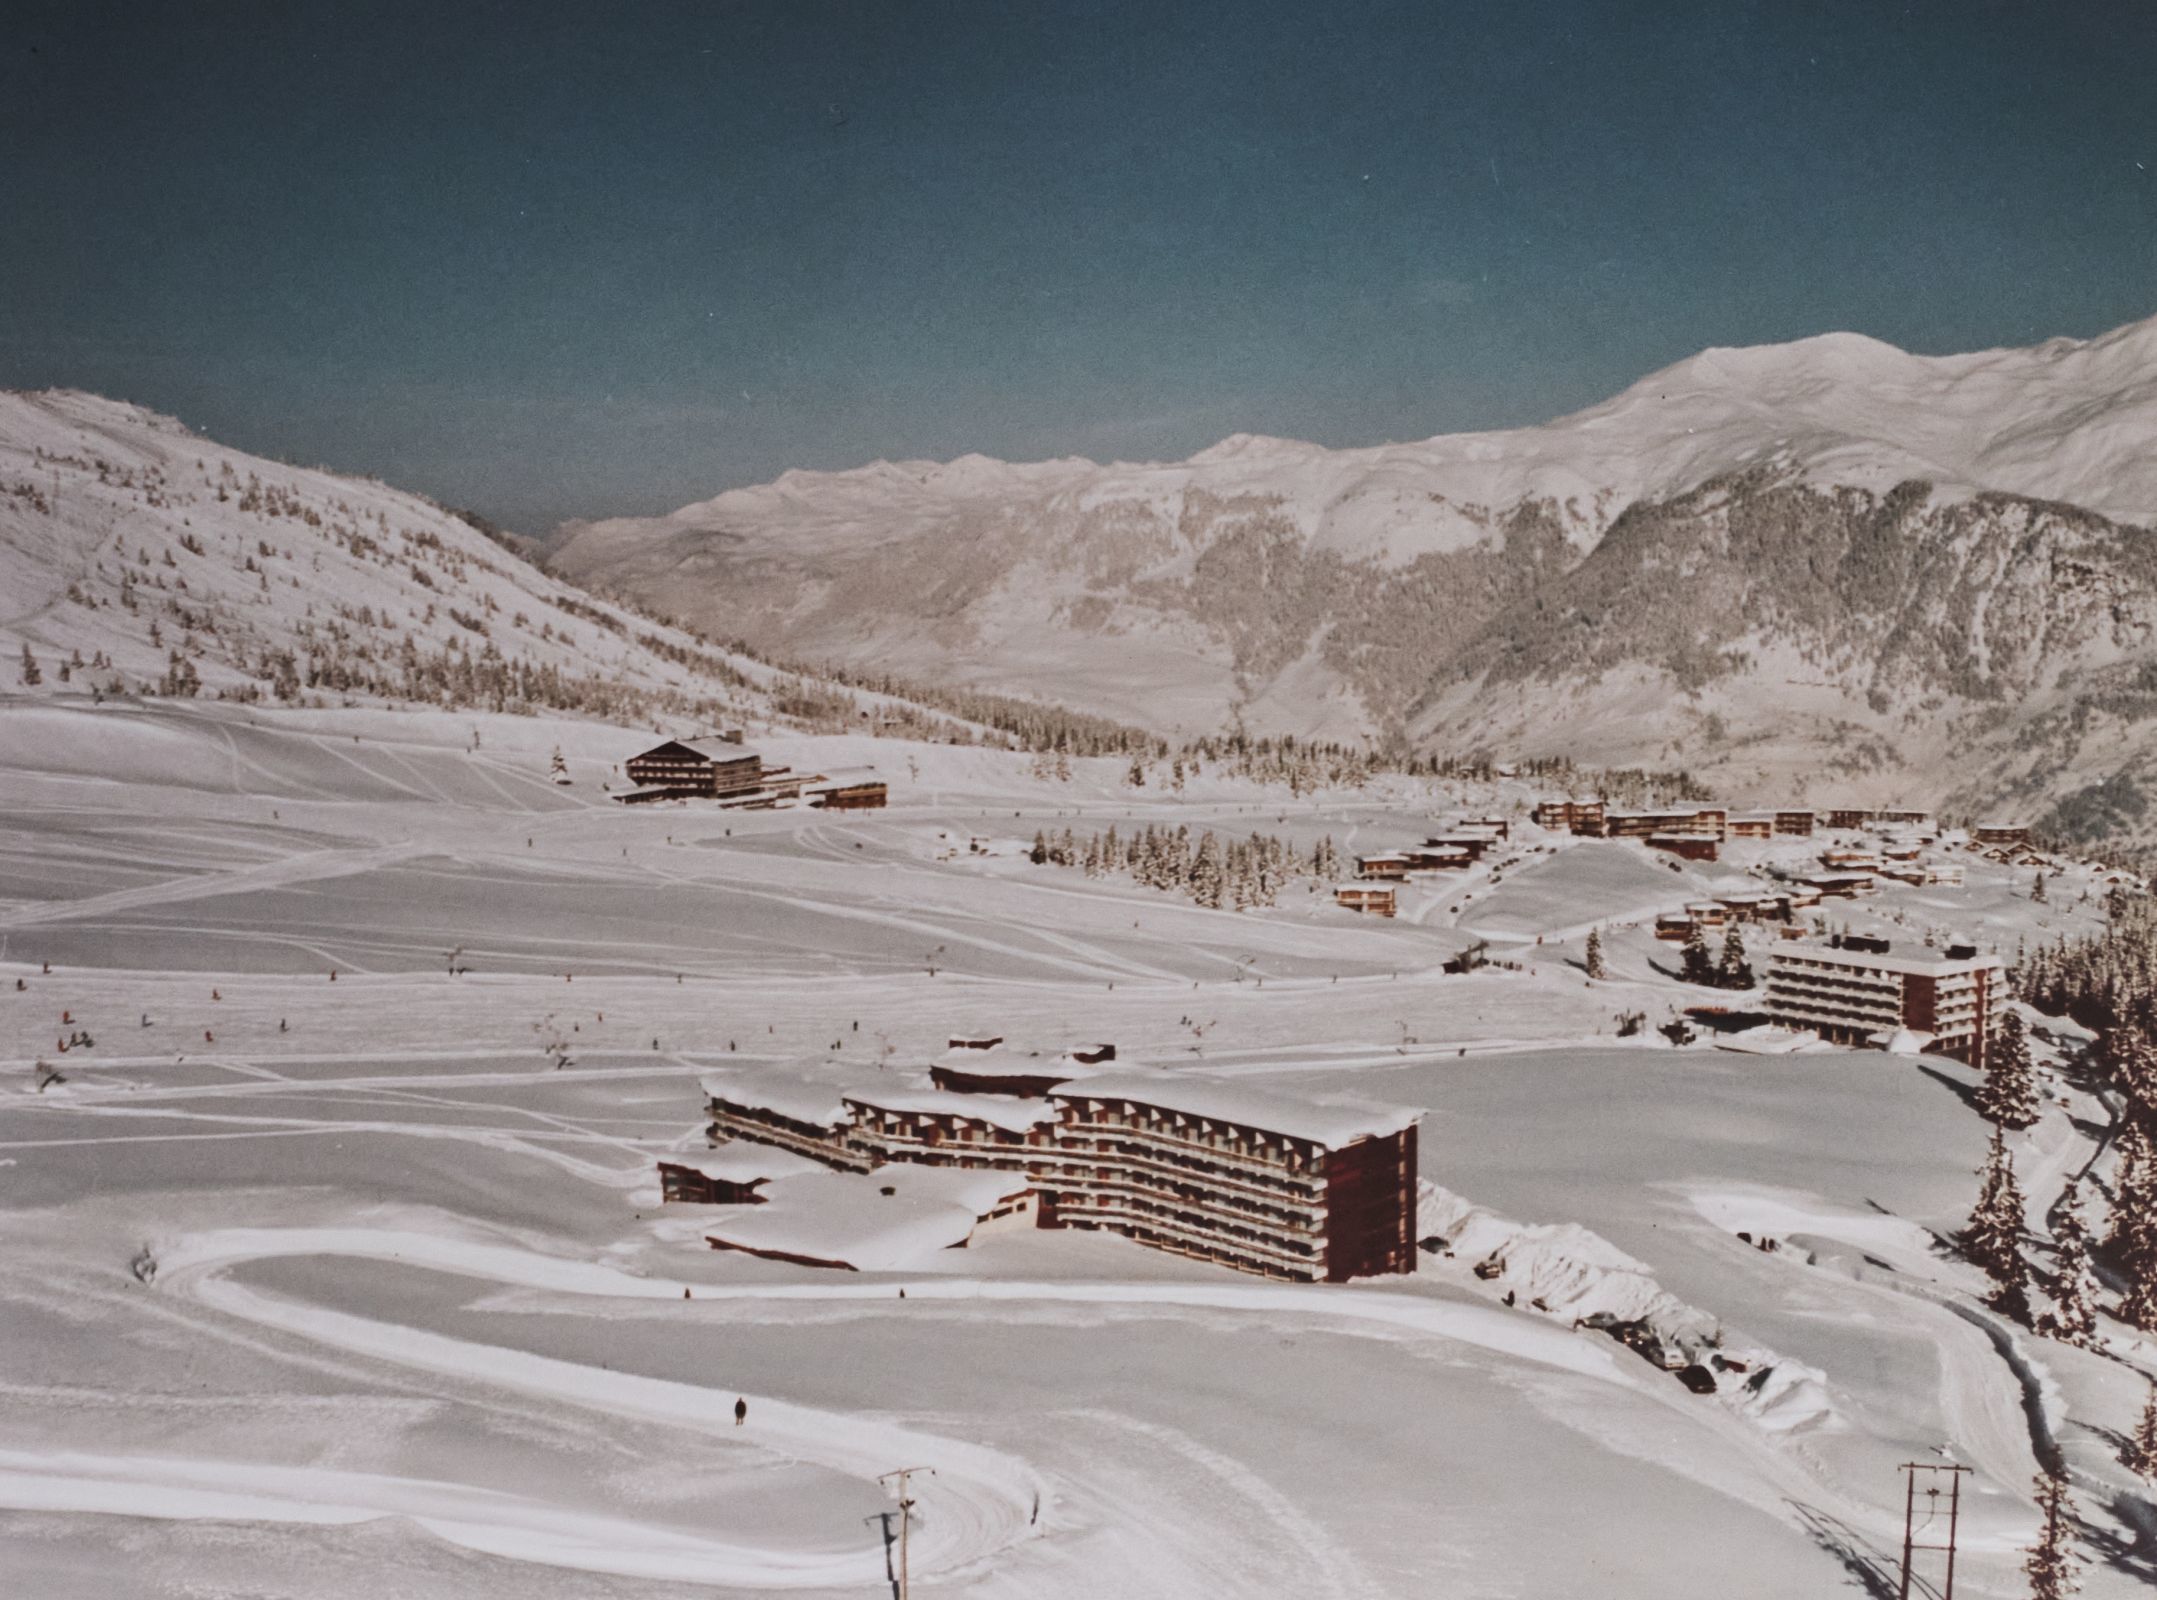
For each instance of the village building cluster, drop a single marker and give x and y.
(722, 768)
(1456, 849)
(1266, 1183)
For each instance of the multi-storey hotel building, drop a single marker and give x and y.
(1261, 1182)
(1864, 991)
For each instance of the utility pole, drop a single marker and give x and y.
(906, 1509)
(1911, 1525)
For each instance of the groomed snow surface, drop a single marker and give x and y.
(363, 1286)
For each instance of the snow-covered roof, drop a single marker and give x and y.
(1006, 1063)
(848, 1218)
(980, 1190)
(1014, 1116)
(1331, 1123)
(1927, 965)
(845, 777)
(718, 749)
(806, 1091)
(1766, 1040)
(744, 1161)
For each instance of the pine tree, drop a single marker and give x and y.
(1039, 855)
(1734, 971)
(2008, 1094)
(1207, 876)
(2132, 1062)
(2131, 1239)
(1993, 1237)
(31, 676)
(2037, 888)
(1595, 953)
(1698, 965)
(1136, 777)
(2053, 1566)
(2072, 1315)
(2140, 1456)
(557, 768)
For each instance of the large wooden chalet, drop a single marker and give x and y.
(719, 766)
(722, 768)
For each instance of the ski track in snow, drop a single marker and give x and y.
(979, 1504)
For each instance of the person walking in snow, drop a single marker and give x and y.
(741, 1412)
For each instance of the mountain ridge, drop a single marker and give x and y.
(1381, 591)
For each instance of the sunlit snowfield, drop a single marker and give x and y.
(417, 1321)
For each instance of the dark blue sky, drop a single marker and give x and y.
(566, 260)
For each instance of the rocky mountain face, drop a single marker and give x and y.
(1830, 564)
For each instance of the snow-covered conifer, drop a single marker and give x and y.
(1698, 966)
(1733, 971)
(2131, 1240)
(1594, 960)
(2008, 1094)
(1993, 1236)
(2140, 1456)
(2072, 1314)
(1207, 875)
(2053, 1566)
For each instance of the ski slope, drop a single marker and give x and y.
(328, 1285)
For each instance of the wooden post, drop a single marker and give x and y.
(1910, 1542)
(906, 1508)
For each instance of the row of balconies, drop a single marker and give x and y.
(1838, 1016)
(1109, 1182)
(1128, 1152)
(832, 1153)
(1298, 1254)
(1101, 1124)
(1241, 1149)
(1852, 1005)
(1209, 1251)
(1836, 976)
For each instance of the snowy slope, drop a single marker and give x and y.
(136, 556)
(347, 1286)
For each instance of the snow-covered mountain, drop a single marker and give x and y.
(1829, 557)
(137, 556)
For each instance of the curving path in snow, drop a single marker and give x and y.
(980, 1502)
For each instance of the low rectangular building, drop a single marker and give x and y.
(848, 789)
(1570, 816)
(1710, 822)
(1016, 1072)
(1373, 899)
(1689, 846)
(1385, 864)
